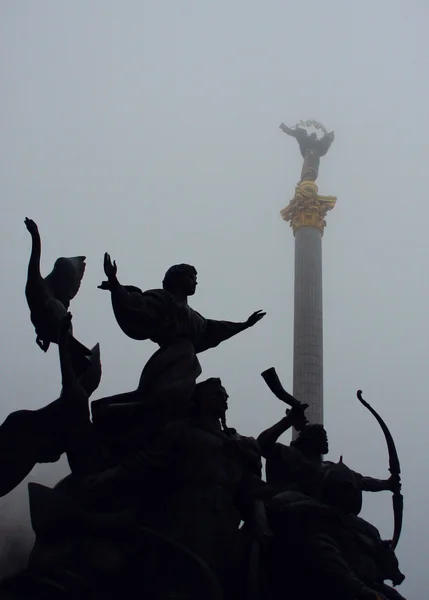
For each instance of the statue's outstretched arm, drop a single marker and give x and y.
(298, 133)
(288, 130)
(371, 484)
(220, 331)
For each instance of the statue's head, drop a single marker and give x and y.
(211, 398)
(313, 439)
(180, 279)
(341, 489)
(313, 136)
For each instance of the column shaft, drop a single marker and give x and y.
(308, 322)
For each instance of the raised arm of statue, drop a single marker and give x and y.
(268, 438)
(136, 312)
(131, 300)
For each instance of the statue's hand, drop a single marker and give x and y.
(394, 483)
(31, 225)
(110, 268)
(255, 317)
(297, 417)
(42, 344)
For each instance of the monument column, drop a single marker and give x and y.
(306, 214)
(308, 322)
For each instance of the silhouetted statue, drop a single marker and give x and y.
(311, 149)
(165, 317)
(49, 297)
(189, 490)
(330, 551)
(200, 479)
(159, 484)
(28, 437)
(300, 466)
(314, 513)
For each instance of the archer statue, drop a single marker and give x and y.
(312, 148)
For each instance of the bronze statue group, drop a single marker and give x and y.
(164, 500)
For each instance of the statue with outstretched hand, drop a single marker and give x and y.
(165, 317)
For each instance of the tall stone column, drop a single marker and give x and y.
(306, 214)
(308, 322)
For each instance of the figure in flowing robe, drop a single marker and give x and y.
(164, 317)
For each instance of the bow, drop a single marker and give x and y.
(394, 468)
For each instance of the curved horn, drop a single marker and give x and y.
(273, 382)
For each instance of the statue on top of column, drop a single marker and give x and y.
(311, 147)
(307, 208)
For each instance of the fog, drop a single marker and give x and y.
(150, 130)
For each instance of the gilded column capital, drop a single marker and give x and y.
(307, 208)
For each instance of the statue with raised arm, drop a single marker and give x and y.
(165, 317)
(314, 514)
(312, 148)
(307, 208)
(49, 297)
(300, 466)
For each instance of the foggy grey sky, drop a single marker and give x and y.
(149, 129)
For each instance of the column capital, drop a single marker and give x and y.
(307, 208)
